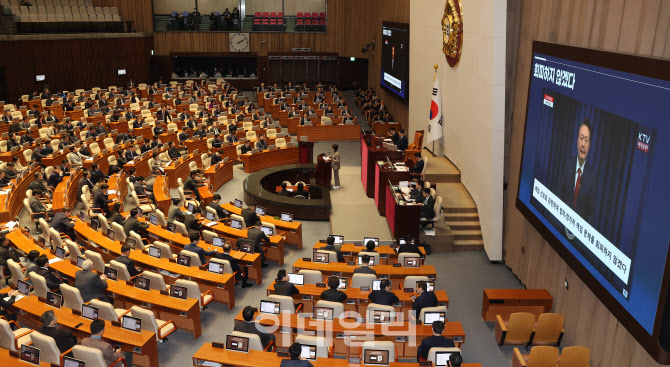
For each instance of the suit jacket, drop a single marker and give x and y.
(106, 349)
(433, 341)
(100, 201)
(256, 235)
(90, 285)
(64, 338)
(130, 154)
(587, 189)
(219, 210)
(129, 263)
(409, 248)
(295, 363)
(61, 222)
(234, 265)
(55, 179)
(132, 224)
(333, 295)
(418, 167)
(333, 248)
(96, 175)
(36, 206)
(172, 212)
(200, 251)
(53, 282)
(335, 160)
(382, 297)
(285, 192)
(174, 153)
(191, 185)
(402, 143)
(426, 299)
(286, 289)
(426, 210)
(250, 217)
(365, 270)
(261, 145)
(250, 327)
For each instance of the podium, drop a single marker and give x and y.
(324, 171)
(306, 151)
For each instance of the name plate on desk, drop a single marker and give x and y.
(306, 259)
(116, 323)
(458, 339)
(383, 256)
(426, 363)
(363, 289)
(76, 312)
(217, 345)
(384, 276)
(400, 339)
(321, 285)
(393, 246)
(165, 293)
(282, 354)
(354, 360)
(351, 301)
(351, 263)
(409, 290)
(397, 265)
(359, 244)
(306, 298)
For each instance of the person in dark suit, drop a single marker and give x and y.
(436, 340)
(425, 298)
(234, 265)
(383, 296)
(294, 352)
(246, 148)
(216, 199)
(301, 191)
(56, 177)
(100, 199)
(330, 246)
(53, 281)
(173, 152)
(365, 269)
(97, 174)
(284, 191)
(216, 157)
(578, 186)
(333, 294)
(192, 184)
(7, 304)
(282, 285)
(418, 166)
(409, 246)
(91, 285)
(125, 259)
(250, 216)
(394, 135)
(402, 143)
(63, 224)
(193, 247)
(146, 146)
(131, 154)
(63, 338)
(6, 252)
(426, 211)
(249, 326)
(261, 144)
(133, 224)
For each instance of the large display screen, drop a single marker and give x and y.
(395, 58)
(595, 171)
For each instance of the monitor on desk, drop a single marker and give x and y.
(401, 241)
(378, 357)
(237, 343)
(59, 252)
(30, 354)
(71, 362)
(267, 230)
(154, 252)
(171, 227)
(191, 207)
(131, 323)
(376, 284)
(238, 203)
(236, 224)
(320, 257)
(370, 263)
(142, 283)
(184, 260)
(297, 279)
(411, 262)
(247, 247)
(41, 242)
(111, 273)
(218, 241)
(214, 267)
(430, 317)
(131, 242)
(379, 316)
(153, 219)
(339, 240)
(322, 313)
(375, 239)
(54, 299)
(287, 217)
(269, 307)
(89, 312)
(441, 358)
(260, 210)
(343, 283)
(430, 286)
(308, 352)
(23, 287)
(210, 216)
(95, 223)
(178, 292)
(111, 234)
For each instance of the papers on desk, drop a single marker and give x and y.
(165, 272)
(11, 224)
(405, 190)
(16, 298)
(210, 224)
(89, 159)
(111, 191)
(401, 168)
(209, 363)
(54, 260)
(4, 192)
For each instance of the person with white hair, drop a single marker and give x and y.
(90, 284)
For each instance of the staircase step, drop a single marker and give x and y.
(460, 209)
(468, 245)
(464, 217)
(462, 225)
(468, 235)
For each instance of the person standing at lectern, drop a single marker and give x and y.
(335, 159)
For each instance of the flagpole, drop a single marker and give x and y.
(434, 79)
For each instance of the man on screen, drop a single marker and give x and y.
(578, 186)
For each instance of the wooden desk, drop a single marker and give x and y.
(66, 191)
(293, 230)
(329, 132)
(383, 175)
(221, 285)
(505, 302)
(103, 163)
(30, 309)
(141, 165)
(344, 270)
(201, 145)
(56, 158)
(344, 332)
(370, 154)
(217, 177)
(7, 360)
(13, 207)
(162, 194)
(402, 218)
(275, 249)
(180, 169)
(387, 255)
(117, 182)
(184, 313)
(267, 159)
(357, 300)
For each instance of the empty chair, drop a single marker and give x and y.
(515, 331)
(71, 297)
(166, 251)
(122, 273)
(549, 329)
(118, 230)
(143, 203)
(139, 244)
(280, 143)
(311, 276)
(362, 280)
(380, 345)
(93, 357)
(15, 270)
(239, 218)
(213, 212)
(49, 352)
(151, 323)
(251, 135)
(576, 356)
(40, 284)
(98, 263)
(332, 255)
(195, 259)
(73, 249)
(540, 356)
(254, 341)
(286, 304)
(338, 307)
(375, 306)
(187, 199)
(181, 228)
(13, 340)
(193, 291)
(156, 280)
(161, 218)
(104, 224)
(106, 311)
(323, 348)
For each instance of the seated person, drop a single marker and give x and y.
(294, 351)
(90, 284)
(369, 247)
(425, 298)
(220, 212)
(125, 259)
(109, 353)
(250, 326)
(193, 247)
(332, 294)
(427, 208)
(436, 340)
(284, 191)
(301, 191)
(330, 246)
(365, 269)
(418, 166)
(283, 287)
(383, 296)
(63, 337)
(242, 272)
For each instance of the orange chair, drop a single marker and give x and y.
(415, 147)
(541, 356)
(517, 331)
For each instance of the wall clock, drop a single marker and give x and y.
(452, 32)
(239, 42)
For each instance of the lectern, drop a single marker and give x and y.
(324, 171)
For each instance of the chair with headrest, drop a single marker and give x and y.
(549, 329)
(156, 280)
(13, 340)
(151, 323)
(213, 211)
(254, 340)
(106, 311)
(437, 209)
(119, 232)
(109, 143)
(362, 280)
(433, 351)
(338, 307)
(49, 352)
(195, 259)
(180, 228)
(93, 357)
(40, 284)
(251, 135)
(193, 291)
(16, 272)
(98, 263)
(323, 348)
(139, 244)
(104, 224)
(239, 218)
(311, 276)
(380, 345)
(71, 297)
(280, 142)
(122, 270)
(378, 307)
(332, 255)
(94, 148)
(411, 280)
(166, 251)
(162, 221)
(74, 251)
(286, 304)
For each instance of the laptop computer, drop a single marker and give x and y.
(247, 247)
(131, 323)
(238, 203)
(214, 267)
(59, 252)
(379, 316)
(171, 227)
(375, 239)
(411, 262)
(297, 279)
(71, 362)
(155, 252)
(377, 357)
(210, 216)
(370, 263)
(260, 210)
(236, 224)
(184, 260)
(30, 354)
(95, 223)
(432, 316)
(237, 343)
(153, 219)
(111, 234)
(343, 283)
(322, 313)
(23, 287)
(111, 273)
(287, 217)
(376, 284)
(441, 358)
(131, 242)
(339, 240)
(267, 230)
(269, 307)
(89, 312)
(320, 257)
(308, 352)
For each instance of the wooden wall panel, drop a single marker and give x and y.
(630, 26)
(75, 63)
(139, 11)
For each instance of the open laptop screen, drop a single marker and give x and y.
(269, 307)
(297, 279)
(308, 352)
(131, 323)
(237, 343)
(378, 357)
